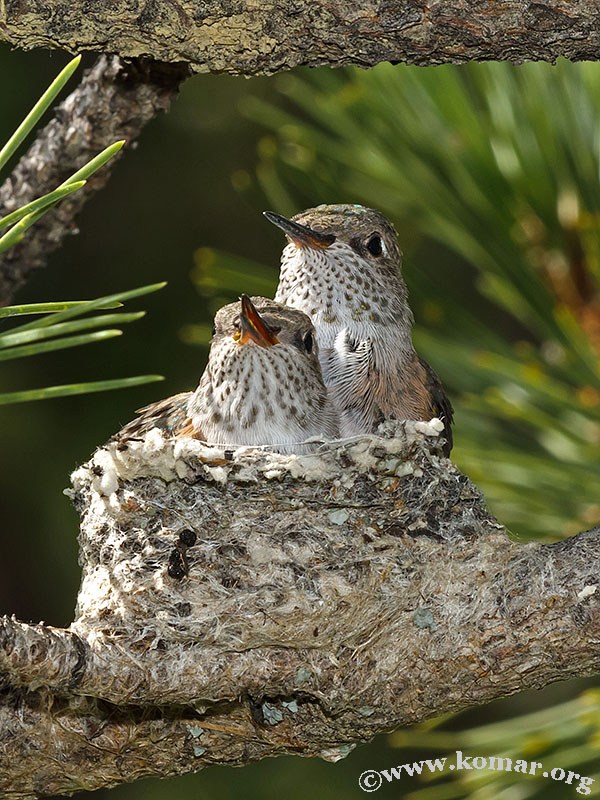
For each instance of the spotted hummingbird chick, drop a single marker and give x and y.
(342, 267)
(262, 384)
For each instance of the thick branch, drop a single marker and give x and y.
(265, 37)
(113, 101)
(297, 604)
(51, 746)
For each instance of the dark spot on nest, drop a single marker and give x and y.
(522, 575)
(378, 452)
(187, 537)
(77, 499)
(229, 582)
(400, 530)
(345, 460)
(467, 532)
(183, 609)
(188, 495)
(97, 470)
(155, 524)
(107, 554)
(131, 546)
(256, 713)
(432, 528)
(178, 565)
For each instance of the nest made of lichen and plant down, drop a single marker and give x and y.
(393, 450)
(191, 546)
(178, 525)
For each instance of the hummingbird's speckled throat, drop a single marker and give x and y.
(335, 282)
(342, 267)
(262, 384)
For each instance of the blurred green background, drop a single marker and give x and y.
(490, 173)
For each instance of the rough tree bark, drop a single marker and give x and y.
(113, 101)
(267, 36)
(241, 604)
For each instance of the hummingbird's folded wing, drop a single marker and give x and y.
(440, 404)
(169, 415)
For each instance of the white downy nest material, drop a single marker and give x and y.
(228, 558)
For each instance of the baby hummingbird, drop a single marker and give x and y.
(342, 267)
(262, 384)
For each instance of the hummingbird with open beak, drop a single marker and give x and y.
(342, 267)
(262, 385)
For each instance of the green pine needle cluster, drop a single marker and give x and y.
(48, 333)
(29, 339)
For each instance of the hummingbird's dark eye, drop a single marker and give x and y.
(374, 245)
(308, 342)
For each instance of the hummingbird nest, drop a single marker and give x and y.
(211, 572)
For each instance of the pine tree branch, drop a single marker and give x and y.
(113, 101)
(239, 605)
(52, 746)
(267, 37)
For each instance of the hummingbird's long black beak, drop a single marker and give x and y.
(253, 326)
(301, 235)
